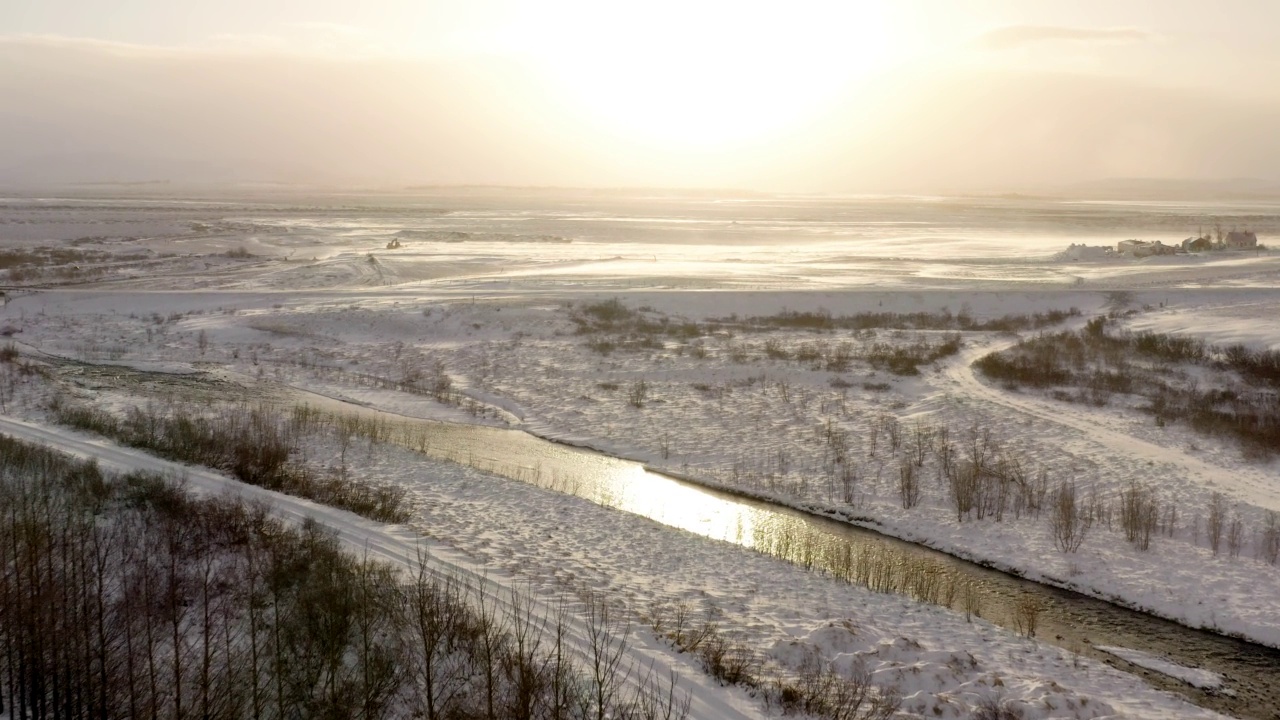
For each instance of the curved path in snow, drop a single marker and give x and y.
(401, 547)
(1250, 484)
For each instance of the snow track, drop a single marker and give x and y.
(1247, 483)
(401, 547)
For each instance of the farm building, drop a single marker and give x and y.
(1241, 240)
(1197, 244)
(1142, 248)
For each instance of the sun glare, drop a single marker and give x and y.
(708, 75)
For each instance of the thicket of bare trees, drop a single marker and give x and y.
(981, 479)
(1092, 364)
(128, 597)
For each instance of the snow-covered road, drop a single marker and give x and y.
(1249, 484)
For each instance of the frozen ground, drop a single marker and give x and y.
(508, 534)
(759, 424)
(481, 296)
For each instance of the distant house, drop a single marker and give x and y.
(1197, 244)
(1129, 247)
(1241, 240)
(1142, 248)
(1080, 252)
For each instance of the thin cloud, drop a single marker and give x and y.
(1016, 36)
(300, 40)
(21, 42)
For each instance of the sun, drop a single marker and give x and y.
(708, 75)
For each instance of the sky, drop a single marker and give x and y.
(855, 96)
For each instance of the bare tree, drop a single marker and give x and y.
(606, 673)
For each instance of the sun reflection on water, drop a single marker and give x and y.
(680, 506)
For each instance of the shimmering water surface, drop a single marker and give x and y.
(855, 555)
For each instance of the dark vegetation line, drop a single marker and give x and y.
(253, 444)
(944, 320)
(614, 326)
(1097, 364)
(614, 316)
(25, 265)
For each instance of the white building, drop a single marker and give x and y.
(1080, 252)
(1142, 248)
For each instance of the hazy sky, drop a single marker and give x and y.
(931, 95)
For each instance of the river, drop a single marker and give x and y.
(855, 554)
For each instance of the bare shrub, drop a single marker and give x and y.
(1067, 518)
(922, 441)
(659, 700)
(1269, 539)
(971, 601)
(1235, 537)
(601, 346)
(684, 632)
(775, 350)
(908, 484)
(1170, 522)
(964, 480)
(1139, 514)
(730, 662)
(892, 432)
(821, 692)
(1026, 615)
(637, 393)
(996, 707)
(975, 483)
(1214, 523)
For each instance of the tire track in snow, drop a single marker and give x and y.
(400, 547)
(1247, 484)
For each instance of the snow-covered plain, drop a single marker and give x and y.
(507, 534)
(483, 296)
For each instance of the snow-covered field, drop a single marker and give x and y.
(482, 298)
(508, 534)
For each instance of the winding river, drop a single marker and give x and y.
(841, 550)
(1061, 617)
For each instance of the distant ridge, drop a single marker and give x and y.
(1175, 189)
(622, 191)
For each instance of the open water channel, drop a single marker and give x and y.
(858, 555)
(843, 551)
